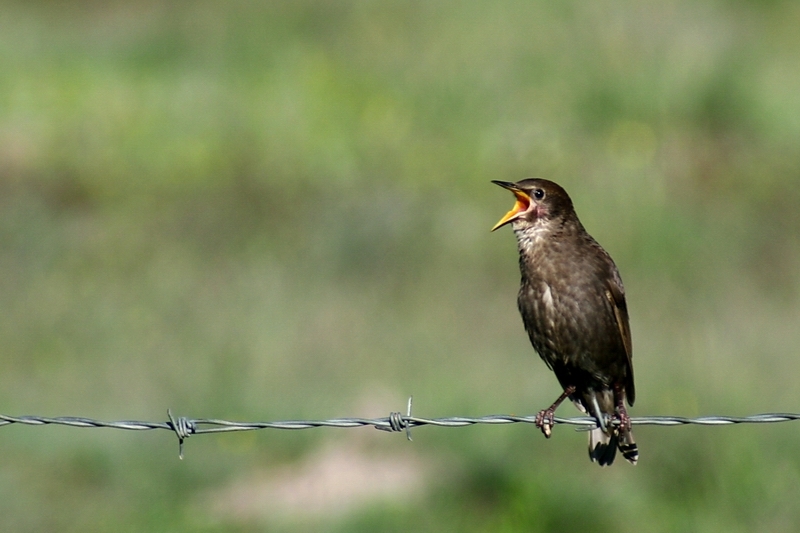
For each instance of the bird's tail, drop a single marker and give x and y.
(605, 440)
(602, 447)
(627, 446)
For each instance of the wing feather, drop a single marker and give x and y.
(616, 295)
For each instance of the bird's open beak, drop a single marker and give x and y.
(522, 204)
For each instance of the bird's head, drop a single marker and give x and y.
(538, 201)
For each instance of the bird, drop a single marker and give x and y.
(573, 307)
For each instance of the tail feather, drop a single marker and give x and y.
(628, 447)
(602, 447)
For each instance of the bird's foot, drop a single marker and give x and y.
(622, 413)
(544, 421)
(624, 420)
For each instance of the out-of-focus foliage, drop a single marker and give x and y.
(272, 210)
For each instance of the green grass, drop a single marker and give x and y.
(282, 210)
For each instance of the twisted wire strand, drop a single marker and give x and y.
(184, 427)
(394, 422)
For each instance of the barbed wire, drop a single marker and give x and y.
(185, 427)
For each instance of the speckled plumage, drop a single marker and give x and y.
(572, 303)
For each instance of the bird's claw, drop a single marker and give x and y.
(621, 414)
(624, 421)
(544, 421)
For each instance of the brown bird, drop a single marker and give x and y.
(572, 303)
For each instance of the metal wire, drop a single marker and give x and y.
(185, 427)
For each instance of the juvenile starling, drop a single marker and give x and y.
(572, 303)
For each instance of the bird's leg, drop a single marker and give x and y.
(544, 420)
(622, 412)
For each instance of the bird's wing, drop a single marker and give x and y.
(616, 295)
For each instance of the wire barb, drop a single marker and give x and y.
(183, 428)
(396, 421)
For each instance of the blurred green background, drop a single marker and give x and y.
(275, 210)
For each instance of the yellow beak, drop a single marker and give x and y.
(520, 206)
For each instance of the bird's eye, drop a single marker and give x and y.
(538, 194)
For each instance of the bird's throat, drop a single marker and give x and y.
(531, 236)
